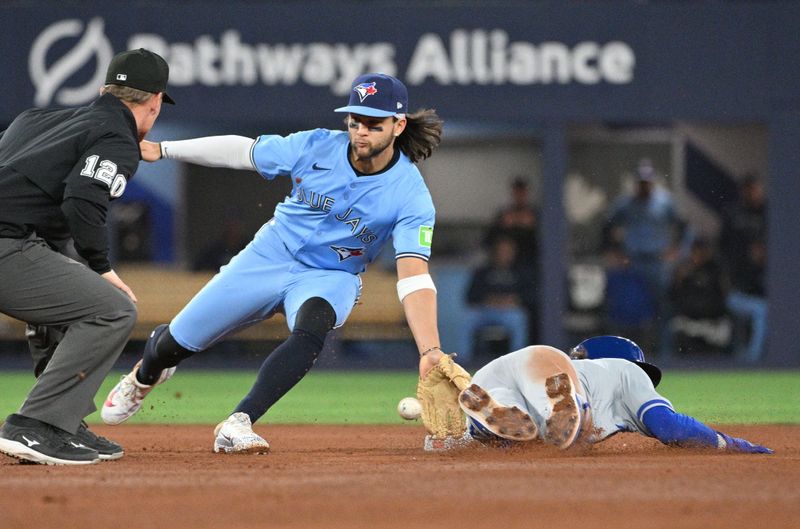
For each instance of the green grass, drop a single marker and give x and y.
(744, 397)
(203, 397)
(324, 397)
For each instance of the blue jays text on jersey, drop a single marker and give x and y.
(334, 217)
(325, 203)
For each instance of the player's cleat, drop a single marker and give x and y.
(106, 448)
(38, 442)
(235, 435)
(506, 422)
(126, 398)
(564, 423)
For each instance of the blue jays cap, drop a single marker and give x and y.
(615, 347)
(377, 95)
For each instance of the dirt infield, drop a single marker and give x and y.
(376, 477)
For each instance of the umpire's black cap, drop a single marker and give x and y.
(141, 69)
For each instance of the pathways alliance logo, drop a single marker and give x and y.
(49, 80)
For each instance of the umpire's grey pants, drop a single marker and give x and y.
(42, 287)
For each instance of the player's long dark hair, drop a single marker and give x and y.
(422, 134)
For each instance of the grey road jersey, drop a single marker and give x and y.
(619, 391)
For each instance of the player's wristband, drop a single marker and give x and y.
(411, 284)
(161, 150)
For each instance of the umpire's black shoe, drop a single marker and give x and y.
(107, 448)
(36, 441)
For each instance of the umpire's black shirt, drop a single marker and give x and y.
(60, 168)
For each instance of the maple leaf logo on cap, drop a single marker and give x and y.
(365, 90)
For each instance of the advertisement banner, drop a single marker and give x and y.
(239, 61)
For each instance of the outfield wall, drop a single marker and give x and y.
(537, 67)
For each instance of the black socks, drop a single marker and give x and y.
(160, 352)
(280, 372)
(291, 360)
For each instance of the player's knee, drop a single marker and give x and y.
(315, 317)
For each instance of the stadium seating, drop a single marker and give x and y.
(162, 292)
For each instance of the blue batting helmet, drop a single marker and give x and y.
(615, 347)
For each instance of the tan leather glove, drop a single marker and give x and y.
(438, 393)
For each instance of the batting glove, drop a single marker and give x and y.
(735, 444)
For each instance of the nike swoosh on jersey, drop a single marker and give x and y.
(318, 168)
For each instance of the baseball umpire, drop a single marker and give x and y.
(351, 192)
(59, 169)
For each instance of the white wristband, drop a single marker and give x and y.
(411, 284)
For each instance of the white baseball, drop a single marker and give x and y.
(409, 408)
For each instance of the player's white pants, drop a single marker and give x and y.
(518, 379)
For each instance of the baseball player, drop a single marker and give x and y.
(59, 170)
(351, 191)
(603, 388)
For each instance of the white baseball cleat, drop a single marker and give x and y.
(564, 423)
(235, 435)
(503, 421)
(126, 398)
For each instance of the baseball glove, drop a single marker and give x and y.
(438, 393)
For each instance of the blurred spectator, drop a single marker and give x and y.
(650, 231)
(497, 296)
(698, 293)
(630, 308)
(232, 241)
(519, 221)
(743, 243)
(130, 224)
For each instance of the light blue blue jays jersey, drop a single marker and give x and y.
(334, 218)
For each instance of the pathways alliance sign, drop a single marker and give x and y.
(462, 57)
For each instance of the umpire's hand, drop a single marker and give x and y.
(112, 277)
